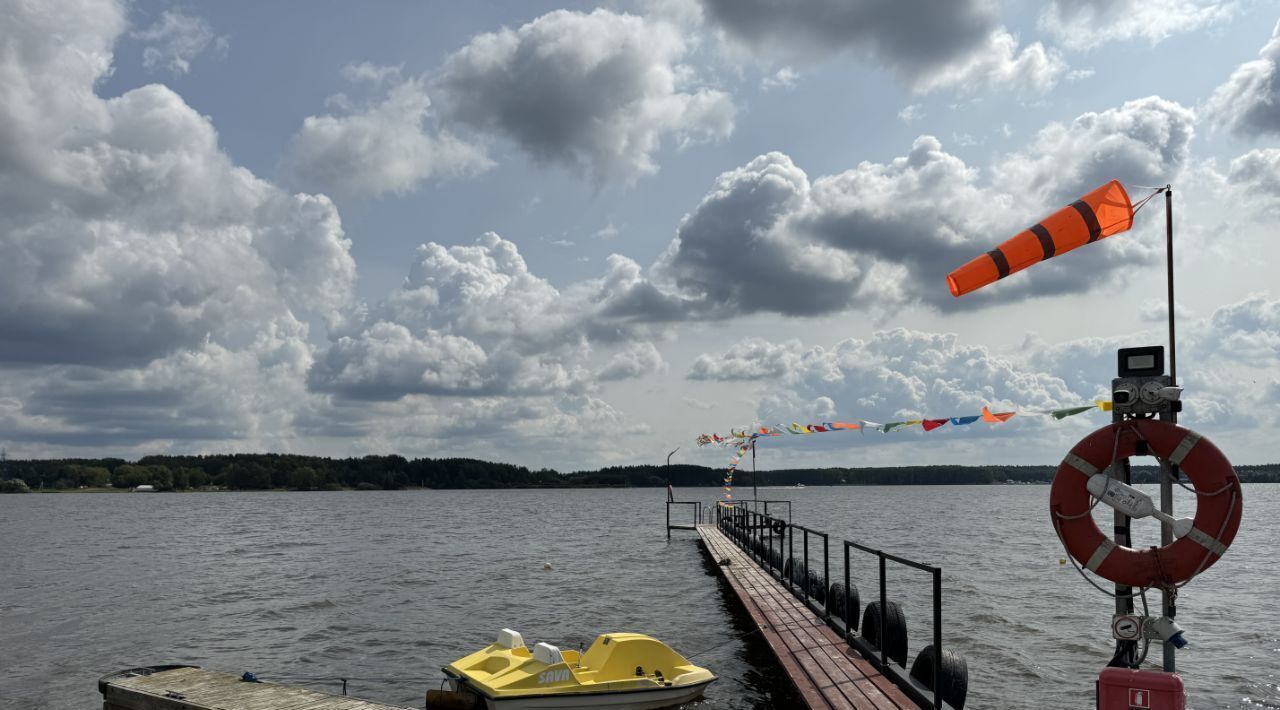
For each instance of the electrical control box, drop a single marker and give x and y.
(1142, 388)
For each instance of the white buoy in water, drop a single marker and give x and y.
(546, 566)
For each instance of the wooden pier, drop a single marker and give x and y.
(826, 671)
(189, 688)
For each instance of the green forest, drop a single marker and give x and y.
(307, 473)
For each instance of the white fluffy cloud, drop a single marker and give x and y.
(905, 374)
(998, 65)
(387, 147)
(1249, 101)
(473, 320)
(155, 292)
(596, 92)
(1255, 177)
(1145, 142)
(638, 360)
(176, 39)
(768, 238)
(1086, 24)
(929, 45)
(893, 375)
(1234, 357)
(126, 232)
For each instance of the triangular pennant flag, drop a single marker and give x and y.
(886, 428)
(931, 424)
(1104, 405)
(961, 421)
(996, 417)
(1071, 411)
(817, 427)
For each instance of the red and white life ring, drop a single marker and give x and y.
(1218, 504)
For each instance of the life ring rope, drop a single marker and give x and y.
(1082, 481)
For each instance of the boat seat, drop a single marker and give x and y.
(548, 654)
(510, 639)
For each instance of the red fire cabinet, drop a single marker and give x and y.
(1127, 689)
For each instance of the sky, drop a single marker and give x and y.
(573, 235)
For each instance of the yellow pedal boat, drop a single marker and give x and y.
(625, 671)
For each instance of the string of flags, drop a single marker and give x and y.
(743, 439)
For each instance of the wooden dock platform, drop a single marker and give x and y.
(826, 671)
(189, 688)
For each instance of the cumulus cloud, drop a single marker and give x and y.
(156, 293)
(768, 238)
(127, 233)
(902, 374)
(1086, 24)
(375, 74)
(911, 113)
(1255, 177)
(473, 320)
(638, 360)
(998, 65)
(1240, 340)
(895, 374)
(1248, 103)
(595, 92)
(784, 78)
(755, 358)
(1144, 142)
(176, 39)
(387, 147)
(930, 45)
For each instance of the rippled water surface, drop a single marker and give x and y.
(386, 587)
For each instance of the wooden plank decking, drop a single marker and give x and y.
(826, 671)
(199, 689)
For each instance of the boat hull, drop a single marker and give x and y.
(627, 700)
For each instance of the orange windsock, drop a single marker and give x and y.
(1098, 215)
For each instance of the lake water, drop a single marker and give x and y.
(386, 587)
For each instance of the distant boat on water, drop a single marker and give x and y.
(144, 488)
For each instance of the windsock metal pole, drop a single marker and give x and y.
(754, 494)
(1170, 470)
(1168, 231)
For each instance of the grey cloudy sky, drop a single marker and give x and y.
(580, 234)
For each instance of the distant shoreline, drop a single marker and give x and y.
(314, 473)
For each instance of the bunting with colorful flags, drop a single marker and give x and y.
(744, 438)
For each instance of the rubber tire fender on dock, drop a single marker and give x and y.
(953, 674)
(817, 590)
(775, 558)
(798, 572)
(836, 595)
(895, 635)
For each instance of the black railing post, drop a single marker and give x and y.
(668, 520)
(848, 626)
(804, 578)
(791, 554)
(826, 577)
(884, 615)
(937, 637)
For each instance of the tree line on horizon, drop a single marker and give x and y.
(295, 472)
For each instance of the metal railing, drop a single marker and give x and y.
(697, 516)
(760, 505)
(755, 532)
